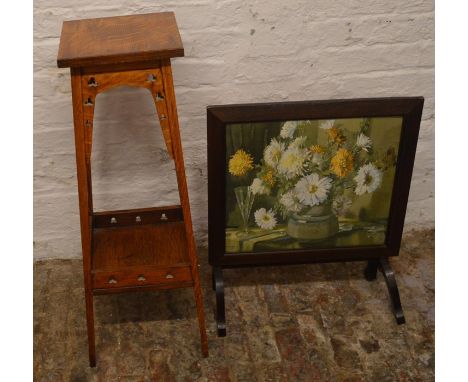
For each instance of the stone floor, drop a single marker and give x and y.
(320, 322)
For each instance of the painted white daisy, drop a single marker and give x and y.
(298, 142)
(368, 179)
(259, 188)
(265, 219)
(341, 205)
(327, 124)
(288, 129)
(363, 142)
(312, 190)
(292, 162)
(289, 200)
(273, 152)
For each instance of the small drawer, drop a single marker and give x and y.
(143, 276)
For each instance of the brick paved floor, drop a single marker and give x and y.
(318, 322)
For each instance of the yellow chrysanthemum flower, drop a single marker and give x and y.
(336, 136)
(317, 149)
(268, 178)
(240, 163)
(342, 163)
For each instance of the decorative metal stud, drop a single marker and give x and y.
(113, 221)
(164, 217)
(138, 219)
(88, 102)
(88, 124)
(163, 117)
(151, 78)
(112, 280)
(169, 276)
(141, 278)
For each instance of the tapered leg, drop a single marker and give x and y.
(82, 149)
(220, 307)
(173, 122)
(90, 327)
(393, 291)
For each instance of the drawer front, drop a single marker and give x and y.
(139, 277)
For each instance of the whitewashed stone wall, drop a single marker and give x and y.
(235, 51)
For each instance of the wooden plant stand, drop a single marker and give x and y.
(140, 249)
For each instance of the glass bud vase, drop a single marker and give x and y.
(245, 199)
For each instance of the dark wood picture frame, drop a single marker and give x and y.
(218, 117)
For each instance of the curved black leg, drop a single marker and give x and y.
(392, 290)
(370, 273)
(218, 285)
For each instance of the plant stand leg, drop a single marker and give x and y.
(389, 276)
(172, 137)
(83, 111)
(370, 273)
(220, 307)
(90, 327)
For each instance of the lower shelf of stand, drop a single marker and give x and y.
(149, 256)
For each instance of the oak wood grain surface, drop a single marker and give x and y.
(120, 39)
(139, 216)
(171, 277)
(147, 245)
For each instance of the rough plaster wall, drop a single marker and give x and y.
(235, 51)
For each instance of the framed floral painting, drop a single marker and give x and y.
(309, 181)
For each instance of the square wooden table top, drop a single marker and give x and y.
(119, 40)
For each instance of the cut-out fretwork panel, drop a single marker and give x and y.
(150, 79)
(92, 82)
(159, 97)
